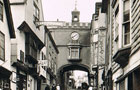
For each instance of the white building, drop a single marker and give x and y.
(123, 35)
(26, 47)
(7, 32)
(98, 37)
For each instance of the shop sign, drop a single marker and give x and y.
(14, 79)
(43, 62)
(42, 72)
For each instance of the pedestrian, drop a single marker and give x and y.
(53, 87)
(47, 87)
(58, 87)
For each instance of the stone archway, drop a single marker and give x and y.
(69, 67)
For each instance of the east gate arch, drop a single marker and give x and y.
(68, 67)
(73, 42)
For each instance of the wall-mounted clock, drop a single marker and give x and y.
(75, 36)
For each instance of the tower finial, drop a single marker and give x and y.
(75, 4)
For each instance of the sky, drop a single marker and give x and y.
(80, 74)
(61, 9)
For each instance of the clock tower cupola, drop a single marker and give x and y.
(75, 13)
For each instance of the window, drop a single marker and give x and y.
(4, 83)
(1, 11)
(116, 23)
(22, 56)
(126, 33)
(126, 10)
(133, 2)
(74, 53)
(2, 46)
(122, 85)
(33, 48)
(126, 22)
(116, 27)
(75, 18)
(130, 82)
(43, 56)
(36, 13)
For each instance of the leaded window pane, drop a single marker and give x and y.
(2, 46)
(1, 11)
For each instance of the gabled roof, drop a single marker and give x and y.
(9, 18)
(27, 29)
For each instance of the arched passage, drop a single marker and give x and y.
(68, 67)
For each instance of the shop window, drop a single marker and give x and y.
(1, 11)
(21, 82)
(4, 83)
(126, 22)
(2, 46)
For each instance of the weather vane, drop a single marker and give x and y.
(75, 4)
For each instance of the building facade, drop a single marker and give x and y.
(122, 67)
(98, 40)
(49, 59)
(26, 47)
(7, 32)
(73, 41)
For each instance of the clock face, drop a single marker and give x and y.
(75, 36)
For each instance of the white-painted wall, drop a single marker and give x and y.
(5, 30)
(22, 13)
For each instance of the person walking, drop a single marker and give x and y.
(53, 87)
(47, 87)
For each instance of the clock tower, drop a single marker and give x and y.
(75, 14)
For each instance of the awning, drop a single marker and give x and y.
(5, 72)
(21, 66)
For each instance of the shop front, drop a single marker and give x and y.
(4, 78)
(21, 80)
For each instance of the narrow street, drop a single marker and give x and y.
(69, 44)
